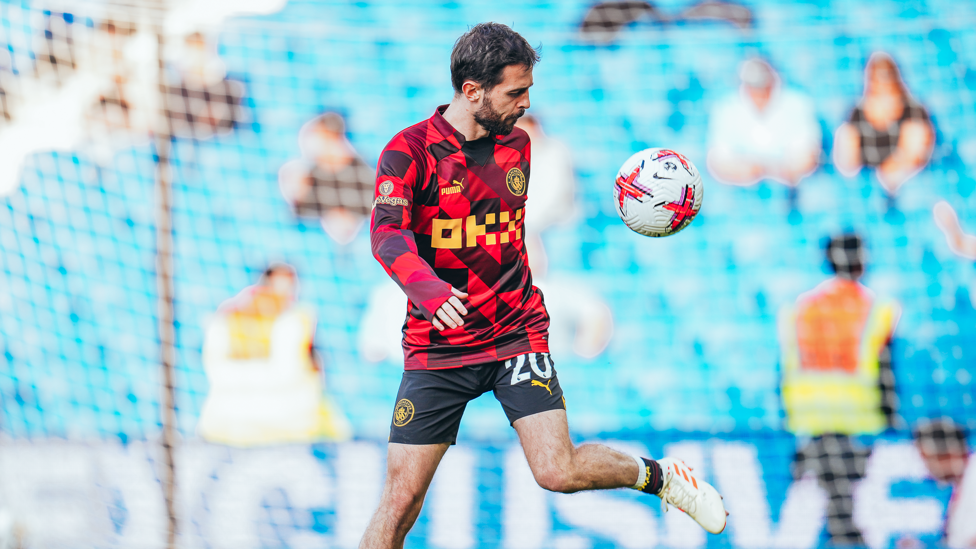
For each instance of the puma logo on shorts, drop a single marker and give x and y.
(437, 398)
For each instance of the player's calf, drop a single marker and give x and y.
(559, 466)
(395, 516)
(410, 469)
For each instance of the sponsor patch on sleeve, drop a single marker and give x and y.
(391, 201)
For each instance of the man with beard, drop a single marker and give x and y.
(448, 227)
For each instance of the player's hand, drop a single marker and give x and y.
(449, 314)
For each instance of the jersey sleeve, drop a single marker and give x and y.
(391, 239)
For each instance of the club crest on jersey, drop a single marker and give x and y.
(386, 188)
(515, 181)
(403, 412)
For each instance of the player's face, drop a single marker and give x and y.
(504, 104)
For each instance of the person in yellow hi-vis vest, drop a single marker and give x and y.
(837, 380)
(266, 385)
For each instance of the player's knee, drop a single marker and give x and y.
(556, 479)
(554, 471)
(402, 502)
(403, 509)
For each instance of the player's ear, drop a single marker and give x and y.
(472, 91)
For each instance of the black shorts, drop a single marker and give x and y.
(430, 403)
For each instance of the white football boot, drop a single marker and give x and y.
(698, 499)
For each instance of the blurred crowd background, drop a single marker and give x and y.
(808, 342)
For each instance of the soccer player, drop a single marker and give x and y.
(448, 227)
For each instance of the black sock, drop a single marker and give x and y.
(654, 480)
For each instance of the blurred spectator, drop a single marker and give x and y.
(113, 60)
(204, 102)
(266, 385)
(838, 461)
(183, 16)
(888, 130)
(960, 243)
(11, 532)
(604, 20)
(381, 326)
(713, 10)
(113, 104)
(331, 181)
(837, 378)
(122, 60)
(94, 88)
(581, 320)
(763, 131)
(552, 197)
(943, 446)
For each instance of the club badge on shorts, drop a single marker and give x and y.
(403, 413)
(515, 181)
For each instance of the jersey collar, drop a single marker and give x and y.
(445, 128)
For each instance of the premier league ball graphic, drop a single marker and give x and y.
(658, 192)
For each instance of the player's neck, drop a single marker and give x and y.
(457, 115)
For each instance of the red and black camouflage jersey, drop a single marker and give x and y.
(448, 214)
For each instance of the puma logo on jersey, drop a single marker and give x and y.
(536, 382)
(457, 187)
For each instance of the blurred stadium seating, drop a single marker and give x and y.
(694, 358)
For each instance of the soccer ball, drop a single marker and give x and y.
(658, 192)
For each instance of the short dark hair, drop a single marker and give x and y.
(938, 436)
(276, 268)
(845, 253)
(482, 53)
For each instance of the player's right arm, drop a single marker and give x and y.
(393, 242)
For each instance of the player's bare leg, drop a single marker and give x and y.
(409, 470)
(559, 466)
